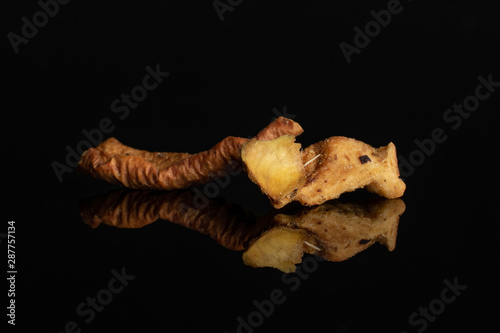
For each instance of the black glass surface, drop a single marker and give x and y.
(181, 77)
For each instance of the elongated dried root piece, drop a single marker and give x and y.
(116, 163)
(275, 166)
(228, 224)
(330, 168)
(335, 232)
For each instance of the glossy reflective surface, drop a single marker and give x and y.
(335, 231)
(172, 76)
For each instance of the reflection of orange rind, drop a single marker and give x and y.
(323, 171)
(116, 163)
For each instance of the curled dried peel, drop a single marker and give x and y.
(116, 163)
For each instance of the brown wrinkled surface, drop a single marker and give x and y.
(339, 169)
(116, 163)
(227, 224)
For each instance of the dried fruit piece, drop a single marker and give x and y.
(116, 163)
(275, 166)
(329, 168)
(338, 169)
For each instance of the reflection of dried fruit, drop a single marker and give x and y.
(227, 224)
(332, 167)
(119, 164)
(338, 230)
(335, 231)
(279, 248)
(275, 166)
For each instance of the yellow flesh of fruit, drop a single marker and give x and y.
(275, 165)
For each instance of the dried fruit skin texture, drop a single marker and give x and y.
(339, 169)
(116, 163)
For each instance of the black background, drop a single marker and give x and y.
(232, 77)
